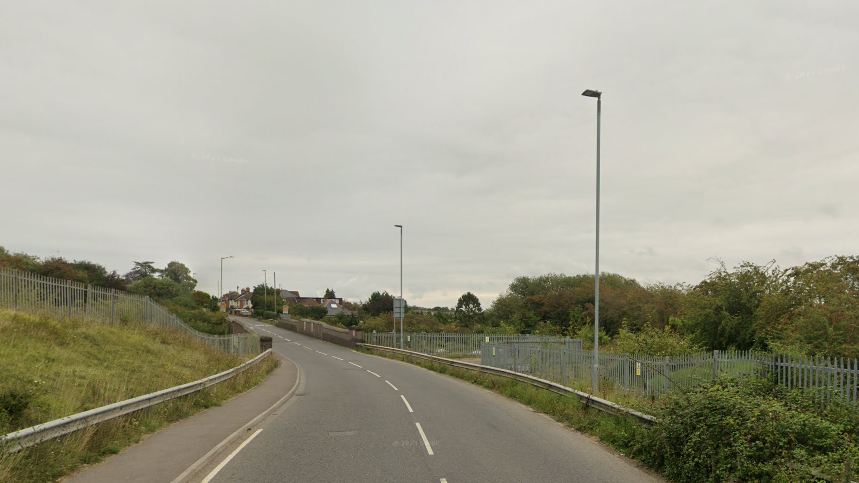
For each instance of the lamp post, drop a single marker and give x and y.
(274, 286)
(402, 305)
(264, 293)
(221, 289)
(596, 369)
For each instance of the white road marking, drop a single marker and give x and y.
(288, 340)
(356, 365)
(389, 383)
(230, 457)
(407, 403)
(308, 348)
(423, 437)
(296, 343)
(319, 352)
(339, 359)
(373, 373)
(324, 354)
(443, 480)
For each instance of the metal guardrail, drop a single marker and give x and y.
(588, 399)
(53, 429)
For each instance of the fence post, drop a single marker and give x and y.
(15, 285)
(665, 373)
(626, 372)
(69, 292)
(112, 305)
(715, 365)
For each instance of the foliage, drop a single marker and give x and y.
(157, 288)
(18, 261)
(180, 274)
(140, 271)
(378, 303)
(747, 431)
(315, 312)
(468, 310)
(329, 294)
(652, 341)
(265, 298)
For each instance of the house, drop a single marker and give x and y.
(243, 301)
(334, 307)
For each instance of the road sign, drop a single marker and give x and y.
(398, 308)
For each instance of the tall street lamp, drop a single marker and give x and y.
(221, 289)
(264, 293)
(402, 305)
(596, 369)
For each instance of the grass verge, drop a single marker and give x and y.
(56, 368)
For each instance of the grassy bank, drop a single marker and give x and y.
(56, 368)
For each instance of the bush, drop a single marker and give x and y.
(747, 431)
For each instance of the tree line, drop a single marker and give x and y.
(812, 309)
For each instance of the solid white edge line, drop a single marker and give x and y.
(407, 403)
(218, 468)
(373, 373)
(389, 383)
(423, 437)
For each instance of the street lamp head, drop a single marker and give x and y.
(398, 226)
(592, 93)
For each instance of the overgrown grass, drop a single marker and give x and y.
(56, 368)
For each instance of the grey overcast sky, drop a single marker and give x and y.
(295, 134)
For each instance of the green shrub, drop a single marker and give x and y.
(747, 431)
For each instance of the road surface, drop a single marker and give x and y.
(361, 418)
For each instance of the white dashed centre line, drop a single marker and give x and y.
(356, 365)
(443, 480)
(339, 359)
(324, 354)
(424, 437)
(373, 373)
(308, 348)
(389, 383)
(407, 403)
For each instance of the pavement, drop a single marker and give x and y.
(174, 454)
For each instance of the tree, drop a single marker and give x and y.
(379, 303)
(140, 271)
(264, 298)
(180, 274)
(329, 294)
(157, 288)
(468, 310)
(18, 261)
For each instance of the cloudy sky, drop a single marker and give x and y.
(295, 134)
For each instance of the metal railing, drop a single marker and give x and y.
(825, 379)
(588, 399)
(54, 429)
(465, 345)
(64, 299)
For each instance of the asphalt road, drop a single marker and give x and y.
(358, 418)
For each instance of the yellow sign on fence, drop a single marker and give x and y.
(637, 368)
